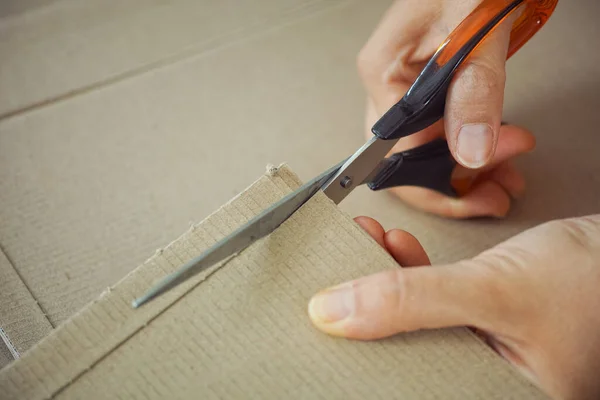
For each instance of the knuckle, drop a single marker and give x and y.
(402, 294)
(381, 66)
(482, 79)
(367, 66)
(380, 305)
(582, 232)
(588, 225)
(496, 271)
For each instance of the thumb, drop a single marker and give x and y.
(402, 300)
(474, 101)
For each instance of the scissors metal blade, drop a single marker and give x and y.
(358, 168)
(337, 183)
(258, 227)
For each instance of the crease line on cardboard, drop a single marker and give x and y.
(16, 271)
(270, 173)
(143, 324)
(11, 347)
(290, 16)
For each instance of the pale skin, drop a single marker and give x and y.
(535, 298)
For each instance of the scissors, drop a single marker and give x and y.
(430, 165)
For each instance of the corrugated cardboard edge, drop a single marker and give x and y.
(77, 357)
(22, 321)
(107, 323)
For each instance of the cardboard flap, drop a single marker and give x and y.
(240, 329)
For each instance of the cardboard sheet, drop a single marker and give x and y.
(22, 321)
(6, 356)
(121, 122)
(67, 38)
(89, 186)
(240, 329)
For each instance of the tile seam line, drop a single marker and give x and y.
(13, 266)
(191, 52)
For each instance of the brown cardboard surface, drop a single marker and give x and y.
(123, 121)
(22, 321)
(12, 8)
(240, 329)
(54, 50)
(90, 186)
(6, 357)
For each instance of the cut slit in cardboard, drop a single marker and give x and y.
(240, 329)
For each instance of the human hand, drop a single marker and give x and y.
(535, 298)
(388, 64)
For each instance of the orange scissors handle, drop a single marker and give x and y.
(533, 15)
(424, 103)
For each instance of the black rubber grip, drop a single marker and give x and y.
(424, 103)
(430, 166)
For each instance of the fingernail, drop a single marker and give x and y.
(474, 145)
(332, 305)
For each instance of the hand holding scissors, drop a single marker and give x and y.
(430, 165)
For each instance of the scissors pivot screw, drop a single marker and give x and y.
(346, 182)
(429, 166)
